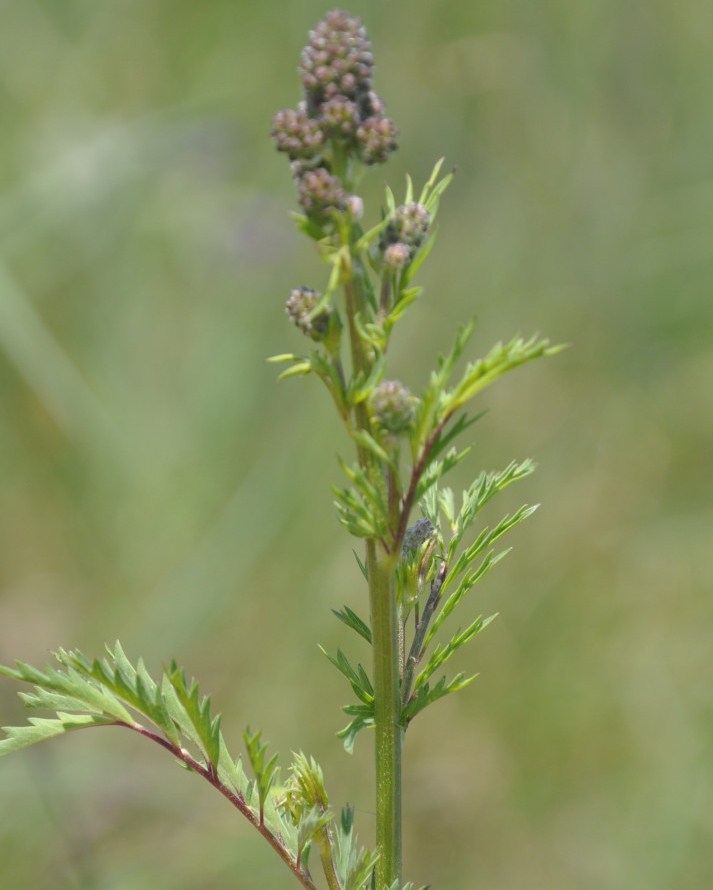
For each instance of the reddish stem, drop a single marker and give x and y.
(210, 774)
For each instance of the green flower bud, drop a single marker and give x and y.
(393, 407)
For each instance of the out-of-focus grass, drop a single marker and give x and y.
(157, 485)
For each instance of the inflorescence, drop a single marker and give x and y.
(341, 119)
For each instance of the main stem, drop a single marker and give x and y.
(387, 716)
(384, 629)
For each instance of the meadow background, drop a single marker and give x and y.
(157, 485)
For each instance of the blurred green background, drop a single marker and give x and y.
(157, 485)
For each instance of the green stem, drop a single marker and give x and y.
(387, 716)
(384, 624)
(325, 855)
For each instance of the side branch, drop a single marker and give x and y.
(416, 473)
(415, 652)
(210, 774)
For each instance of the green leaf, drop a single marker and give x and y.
(301, 369)
(351, 619)
(207, 727)
(362, 566)
(363, 719)
(468, 581)
(358, 678)
(498, 361)
(310, 824)
(70, 682)
(484, 540)
(437, 469)
(284, 357)
(426, 695)
(369, 443)
(441, 654)
(265, 769)
(480, 492)
(362, 509)
(41, 728)
(353, 864)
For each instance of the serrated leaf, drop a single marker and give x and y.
(197, 708)
(41, 728)
(353, 864)
(309, 825)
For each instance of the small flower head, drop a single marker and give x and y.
(409, 226)
(396, 256)
(299, 136)
(300, 307)
(339, 118)
(393, 407)
(319, 193)
(376, 139)
(337, 60)
(355, 206)
(371, 105)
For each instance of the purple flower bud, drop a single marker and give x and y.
(355, 206)
(299, 136)
(396, 256)
(339, 118)
(409, 227)
(376, 138)
(337, 60)
(320, 193)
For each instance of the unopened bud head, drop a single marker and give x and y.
(393, 407)
(300, 307)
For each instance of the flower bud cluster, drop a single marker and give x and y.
(319, 193)
(300, 305)
(393, 407)
(405, 233)
(300, 137)
(341, 113)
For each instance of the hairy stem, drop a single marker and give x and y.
(387, 715)
(325, 857)
(384, 623)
